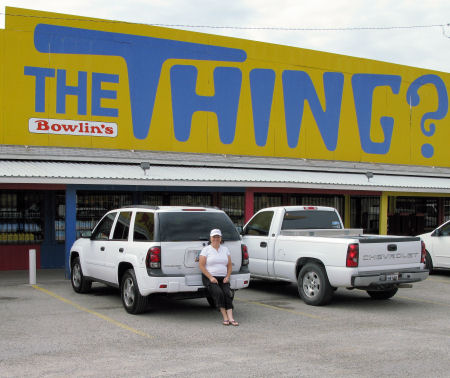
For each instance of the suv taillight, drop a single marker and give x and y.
(244, 254)
(153, 259)
(423, 252)
(352, 255)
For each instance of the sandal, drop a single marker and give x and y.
(234, 323)
(226, 323)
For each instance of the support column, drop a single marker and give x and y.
(347, 211)
(383, 213)
(71, 224)
(249, 204)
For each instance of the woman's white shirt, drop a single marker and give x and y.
(216, 260)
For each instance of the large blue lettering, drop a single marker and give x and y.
(62, 90)
(262, 82)
(144, 57)
(98, 93)
(39, 92)
(363, 87)
(412, 96)
(227, 85)
(297, 88)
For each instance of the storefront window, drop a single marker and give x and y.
(152, 199)
(21, 219)
(365, 214)
(262, 200)
(412, 215)
(446, 209)
(60, 217)
(91, 206)
(233, 205)
(190, 199)
(319, 200)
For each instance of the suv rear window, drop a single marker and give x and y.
(185, 226)
(310, 219)
(143, 226)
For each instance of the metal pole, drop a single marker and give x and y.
(32, 265)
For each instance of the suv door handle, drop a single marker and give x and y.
(102, 248)
(263, 244)
(121, 250)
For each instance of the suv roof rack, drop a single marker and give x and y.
(141, 207)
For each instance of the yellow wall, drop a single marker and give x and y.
(137, 84)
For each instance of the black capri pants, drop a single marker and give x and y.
(220, 292)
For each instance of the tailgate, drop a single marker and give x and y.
(181, 258)
(386, 251)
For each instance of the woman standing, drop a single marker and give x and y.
(215, 264)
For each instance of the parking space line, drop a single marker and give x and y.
(423, 301)
(280, 308)
(438, 280)
(95, 313)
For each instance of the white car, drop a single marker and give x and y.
(146, 250)
(437, 244)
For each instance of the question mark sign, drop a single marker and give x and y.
(413, 99)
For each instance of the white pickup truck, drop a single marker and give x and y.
(309, 245)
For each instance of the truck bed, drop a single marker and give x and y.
(353, 233)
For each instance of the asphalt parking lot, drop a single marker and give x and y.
(49, 330)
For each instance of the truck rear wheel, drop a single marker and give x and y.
(428, 262)
(313, 285)
(384, 294)
(132, 300)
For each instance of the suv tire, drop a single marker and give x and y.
(132, 300)
(80, 283)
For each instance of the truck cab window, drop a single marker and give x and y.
(260, 224)
(103, 229)
(310, 219)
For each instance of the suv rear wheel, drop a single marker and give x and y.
(79, 283)
(132, 299)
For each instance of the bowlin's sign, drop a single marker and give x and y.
(70, 127)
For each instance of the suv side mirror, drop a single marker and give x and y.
(239, 229)
(86, 234)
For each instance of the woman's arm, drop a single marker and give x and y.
(229, 269)
(202, 266)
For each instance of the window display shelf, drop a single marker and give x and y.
(21, 218)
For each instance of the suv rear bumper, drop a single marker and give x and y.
(176, 284)
(388, 278)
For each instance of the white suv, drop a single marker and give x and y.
(145, 250)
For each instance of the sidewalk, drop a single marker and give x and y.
(20, 277)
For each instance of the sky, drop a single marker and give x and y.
(407, 36)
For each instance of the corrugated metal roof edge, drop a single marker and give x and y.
(230, 184)
(237, 182)
(91, 155)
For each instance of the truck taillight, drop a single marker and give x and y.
(352, 255)
(423, 253)
(244, 254)
(153, 259)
